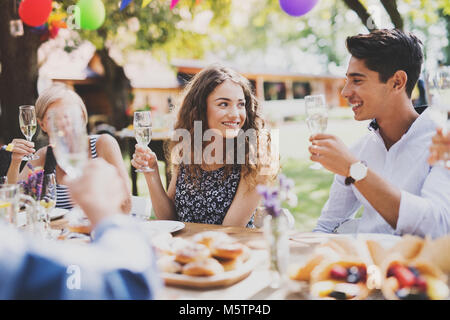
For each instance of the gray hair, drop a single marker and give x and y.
(58, 92)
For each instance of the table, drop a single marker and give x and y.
(256, 285)
(156, 145)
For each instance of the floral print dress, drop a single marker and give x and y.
(209, 200)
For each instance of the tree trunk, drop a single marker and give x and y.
(391, 9)
(118, 87)
(19, 71)
(362, 13)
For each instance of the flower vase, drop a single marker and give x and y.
(277, 239)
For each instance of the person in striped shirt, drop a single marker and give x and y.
(103, 146)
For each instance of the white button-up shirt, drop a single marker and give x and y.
(425, 190)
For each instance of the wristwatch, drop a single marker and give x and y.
(358, 171)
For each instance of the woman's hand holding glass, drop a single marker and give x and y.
(21, 148)
(144, 157)
(28, 125)
(142, 123)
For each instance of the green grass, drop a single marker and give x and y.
(312, 189)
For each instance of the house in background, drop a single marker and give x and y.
(159, 85)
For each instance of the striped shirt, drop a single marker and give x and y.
(62, 192)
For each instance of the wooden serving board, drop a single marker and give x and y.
(224, 279)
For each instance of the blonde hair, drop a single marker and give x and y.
(56, 93)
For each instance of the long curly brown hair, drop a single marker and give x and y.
(193, 108)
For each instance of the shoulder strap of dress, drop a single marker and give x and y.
(93, 142)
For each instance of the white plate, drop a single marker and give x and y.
(57, 213)
(163, 226)
(386, 240)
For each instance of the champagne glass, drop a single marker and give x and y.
(438, 96)
(28, 124)
(47, 202)
(316, 118)
(69, 139)
(142, 123)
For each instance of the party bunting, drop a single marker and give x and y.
(124, 4)
(145, 3)
(173, 4)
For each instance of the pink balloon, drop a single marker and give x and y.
(297, 8)
(173, 4)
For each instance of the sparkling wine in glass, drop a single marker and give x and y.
(316, 118)
(69, 139)
(28, 125)
(47, 203)
(437, 87)
(142, 123)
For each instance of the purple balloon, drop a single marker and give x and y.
(297, 7)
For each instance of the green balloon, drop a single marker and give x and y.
(91, 14)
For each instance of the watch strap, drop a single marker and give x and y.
(349, 181)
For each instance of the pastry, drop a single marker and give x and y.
(168, 264)
(227, 250)
(208, 238)
(343, 279)
(191, 252)
(412, 280)
(203, 268)
(302, 272)
(231, 264)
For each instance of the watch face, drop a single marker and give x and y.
(358, 171)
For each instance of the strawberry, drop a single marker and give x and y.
(338, 272)
(404, 276)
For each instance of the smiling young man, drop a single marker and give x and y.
(387, 171)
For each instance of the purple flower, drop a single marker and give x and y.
(272, 198)
(262, 190)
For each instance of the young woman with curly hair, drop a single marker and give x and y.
(216, 184)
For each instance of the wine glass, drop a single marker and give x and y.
(69, 139)
(47, 202)
(28, 124)
(316, 118)
(437, 88)
(142, 123)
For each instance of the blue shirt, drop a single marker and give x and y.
(119, 264)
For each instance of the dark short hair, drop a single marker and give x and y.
(388, 50)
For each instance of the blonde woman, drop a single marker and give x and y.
(103, 146)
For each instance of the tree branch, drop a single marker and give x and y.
(362, 13)
(391, 8)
